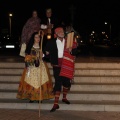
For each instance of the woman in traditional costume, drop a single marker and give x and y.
(32, 25)
(35, 83)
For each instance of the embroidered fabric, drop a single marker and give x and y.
(37, 76)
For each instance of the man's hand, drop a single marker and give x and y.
(69, 49)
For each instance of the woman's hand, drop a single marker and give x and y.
(41, 54)
(28, 71)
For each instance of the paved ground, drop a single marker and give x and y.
(8, 114)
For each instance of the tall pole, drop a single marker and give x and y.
(10, 22)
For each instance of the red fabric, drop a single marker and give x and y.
(67, 67)
(65, 91)
(57, 95)
(58, 29)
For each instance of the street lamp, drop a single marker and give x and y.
(109, 28)
(10, 16)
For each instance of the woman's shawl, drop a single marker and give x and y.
(32, 25)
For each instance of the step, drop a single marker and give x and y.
(75, 105)
(74, 87)
(72, 96)
(51, 101)
(77, 72)
(99, 65)
(96, 87)
(77, 65)
(74, 92)
(12, 65)
(72, 82)
(77, 79)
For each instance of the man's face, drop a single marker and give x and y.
(48, 14)
(60, 33)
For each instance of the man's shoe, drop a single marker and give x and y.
(54, 108)
(65, 101)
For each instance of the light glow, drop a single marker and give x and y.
(48, 36)
(10, 46)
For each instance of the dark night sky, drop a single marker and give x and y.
(87, 15)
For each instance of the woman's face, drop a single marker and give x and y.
(34, 14)
(37, 38)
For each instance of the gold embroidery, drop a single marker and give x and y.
(37, 74)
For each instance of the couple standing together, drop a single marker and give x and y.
(36, 83)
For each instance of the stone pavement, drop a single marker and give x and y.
(11, 114)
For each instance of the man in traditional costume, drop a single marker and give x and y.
(62, 59)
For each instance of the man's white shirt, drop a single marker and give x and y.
(60, 46)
